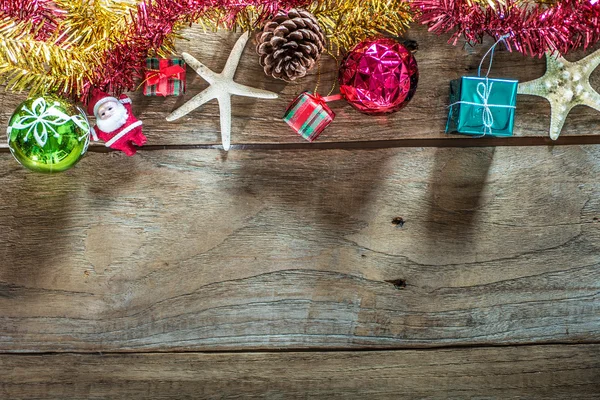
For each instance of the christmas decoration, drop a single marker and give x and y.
(222, 87)
(378, 76)
(482, 106)
(164, 77)
(565, 85)
(290, 45)
(48, 134)
(534, 26)
(309, 115)
(73, 46)
(115, 123)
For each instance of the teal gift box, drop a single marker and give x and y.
(482, 106)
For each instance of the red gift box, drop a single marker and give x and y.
(164, 77)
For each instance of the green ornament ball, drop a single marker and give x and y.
(48, 133)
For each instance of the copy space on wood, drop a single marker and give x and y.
(201, 250)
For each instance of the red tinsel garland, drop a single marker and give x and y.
(154, 21)
(41, 14)
(533, 29)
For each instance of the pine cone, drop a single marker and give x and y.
(290, 44)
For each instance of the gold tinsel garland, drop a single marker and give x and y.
(88, 29)
(347, 22)
(39, 65)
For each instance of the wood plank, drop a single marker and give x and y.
(202, 250)
(259, 121)
(549, 372)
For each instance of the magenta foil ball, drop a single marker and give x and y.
(379, 76)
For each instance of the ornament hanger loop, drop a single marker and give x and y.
(491, 52)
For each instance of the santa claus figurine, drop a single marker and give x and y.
(115, 123)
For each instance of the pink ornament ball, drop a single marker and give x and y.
(379, 76)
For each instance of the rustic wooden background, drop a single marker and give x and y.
(386, 260)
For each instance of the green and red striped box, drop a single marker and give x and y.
(309, 115)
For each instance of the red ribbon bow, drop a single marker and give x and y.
(161, 76)
(326, 99)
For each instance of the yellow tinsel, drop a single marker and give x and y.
(95, 25)
(347, 22)
(40, 66)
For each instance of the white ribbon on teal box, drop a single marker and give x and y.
(482, 106)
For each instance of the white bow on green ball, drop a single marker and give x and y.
(42, 119)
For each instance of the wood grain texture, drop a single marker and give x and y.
(259, 121)
(396, 248)
(538, 372)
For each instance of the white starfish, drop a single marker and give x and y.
(222, 87)
(565, 85)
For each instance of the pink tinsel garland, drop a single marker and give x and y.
(41, 14)
(533, 30)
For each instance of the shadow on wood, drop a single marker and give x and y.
(320, 200)
(456, 194)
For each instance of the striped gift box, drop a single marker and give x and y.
(173, 85)
(309, 115)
